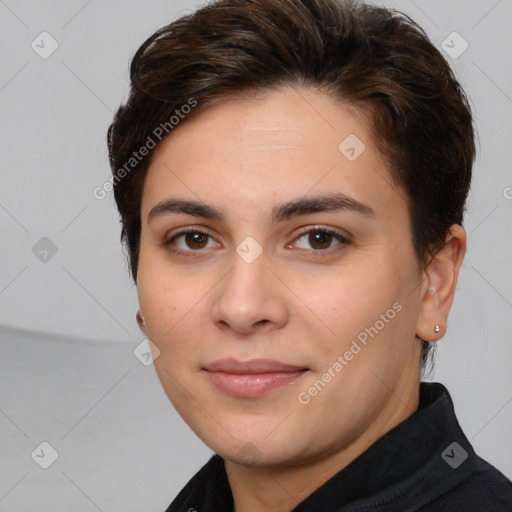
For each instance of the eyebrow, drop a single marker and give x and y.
(284, 211)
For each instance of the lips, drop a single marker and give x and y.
(253, 366)
(249, 379)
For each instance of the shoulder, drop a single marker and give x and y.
(483, 489)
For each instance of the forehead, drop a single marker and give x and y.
(268, 147)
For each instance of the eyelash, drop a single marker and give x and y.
(319, 252)
(343, 240)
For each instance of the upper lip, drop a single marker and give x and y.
(231, 365)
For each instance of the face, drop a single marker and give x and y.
(268, 234)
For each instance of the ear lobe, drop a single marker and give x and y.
(140, 321)
(439, 284)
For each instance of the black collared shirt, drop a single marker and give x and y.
(425, 464)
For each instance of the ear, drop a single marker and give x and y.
(439, 283)
(140, 322)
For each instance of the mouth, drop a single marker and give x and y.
(246, 379)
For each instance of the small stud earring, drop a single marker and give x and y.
(437, 328)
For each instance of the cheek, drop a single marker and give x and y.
(353, 297)
(166, 295)
(175, 307)
(366, 315)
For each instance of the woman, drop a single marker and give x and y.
(291, 178)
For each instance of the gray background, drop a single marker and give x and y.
(68, 374)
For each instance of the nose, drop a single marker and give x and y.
(250, 298)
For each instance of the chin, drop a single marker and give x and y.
(257, 450)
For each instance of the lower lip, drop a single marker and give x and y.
(252, 385)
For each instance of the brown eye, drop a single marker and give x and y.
(196, 240)
(319, 239)
(190, 241)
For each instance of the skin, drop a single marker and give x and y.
(301, 301)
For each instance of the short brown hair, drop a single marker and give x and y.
(358, 53)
